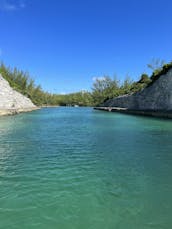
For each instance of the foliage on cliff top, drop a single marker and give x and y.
(107, 88)
(23, 83)
(104, 88)
(159, 72)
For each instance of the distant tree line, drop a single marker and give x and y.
(23, 83)
(103, 88)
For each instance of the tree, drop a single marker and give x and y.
(104, 88)
(156, 66)
(126, 86)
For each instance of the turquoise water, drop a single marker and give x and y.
(76, 168)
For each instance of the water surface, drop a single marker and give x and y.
(73, 168)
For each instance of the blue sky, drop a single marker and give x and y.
(64, 44)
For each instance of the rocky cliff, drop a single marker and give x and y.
(11, 101)
(153, 99)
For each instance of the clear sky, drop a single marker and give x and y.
(64, 44)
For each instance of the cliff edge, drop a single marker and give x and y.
(11, 101)
(155, 100)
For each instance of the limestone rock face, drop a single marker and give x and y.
(156, 97)
(11, 99)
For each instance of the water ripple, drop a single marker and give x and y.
(78, 168)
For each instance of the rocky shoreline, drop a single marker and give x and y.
(152, 113)
(4, 112)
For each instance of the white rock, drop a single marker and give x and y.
(157, 97)
(13, 100)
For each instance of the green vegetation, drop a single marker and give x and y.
(160, 71)
(106, 88)
(23, 83)
(142, 83)
(103, 88)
